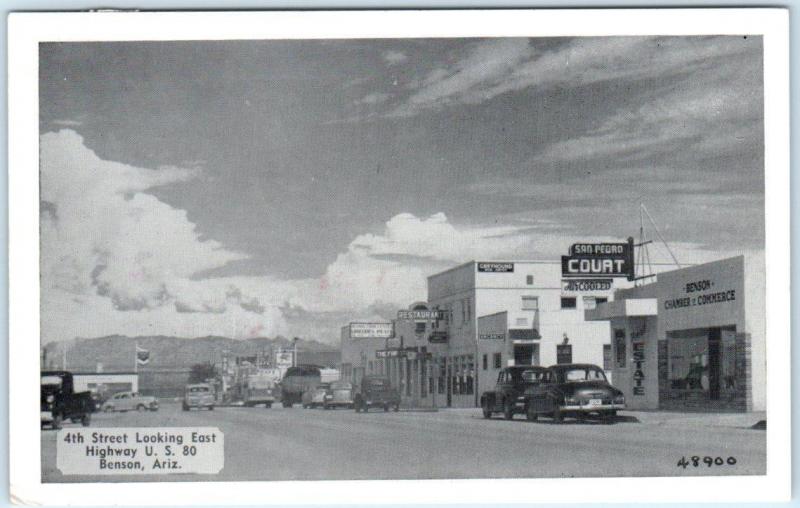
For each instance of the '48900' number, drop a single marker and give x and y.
(708, 461)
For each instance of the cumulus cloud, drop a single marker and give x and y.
(116, 260)
(108, 243)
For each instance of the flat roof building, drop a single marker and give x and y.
(504, 313)
(692, 340)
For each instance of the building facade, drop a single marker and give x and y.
(514, 313)
(693, 339)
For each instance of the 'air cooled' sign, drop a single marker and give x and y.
(592, 260)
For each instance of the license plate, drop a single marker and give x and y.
(595, 402)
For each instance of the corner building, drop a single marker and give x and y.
(512, 313)
(693, 339)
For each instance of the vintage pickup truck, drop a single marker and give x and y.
(59, 401)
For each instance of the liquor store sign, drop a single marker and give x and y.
(599, 260)
(371, 330)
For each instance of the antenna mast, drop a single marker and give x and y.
(643, 262)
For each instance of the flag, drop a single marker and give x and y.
(142, 356)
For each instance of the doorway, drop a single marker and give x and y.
(526, 354)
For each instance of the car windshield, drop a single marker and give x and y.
(341, 386)
(379, 383)
(51, 381)
(577, 375)
(196, 389)
(532, 376)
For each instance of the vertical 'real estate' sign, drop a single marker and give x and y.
(599, 260)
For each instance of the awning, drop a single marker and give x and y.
(627, 307)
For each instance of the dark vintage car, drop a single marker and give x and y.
(573, 390)
(508, 396)
(60, 402)
(376, 391)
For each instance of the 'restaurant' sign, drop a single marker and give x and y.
(434, 315)
(593, 260)
(495, 267)
(371, 330)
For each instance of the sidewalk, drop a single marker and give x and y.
(676, 418)
(668, 418)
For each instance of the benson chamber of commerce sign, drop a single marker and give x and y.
(595, 260)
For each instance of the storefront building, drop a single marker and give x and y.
(693, 339)
(515, 313)
(404, 350)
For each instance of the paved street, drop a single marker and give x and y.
(305, 444)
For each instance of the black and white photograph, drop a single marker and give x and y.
(421, 257)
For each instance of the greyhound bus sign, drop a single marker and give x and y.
(599, 260)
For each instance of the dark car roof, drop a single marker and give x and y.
(564, 366)
(56, 373)
(526, 367)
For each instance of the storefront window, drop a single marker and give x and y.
(569, 302)
(688, 361)
(497, 360)
(485, 362)
(620, 348)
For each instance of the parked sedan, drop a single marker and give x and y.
(130, 401)
(315, 397)
(573, 390)
(339, 395)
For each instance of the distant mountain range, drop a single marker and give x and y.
(116, 352)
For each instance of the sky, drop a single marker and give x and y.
(257, 188)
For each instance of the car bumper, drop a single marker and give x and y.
(47, 416)
(200, 404)
(593, 409)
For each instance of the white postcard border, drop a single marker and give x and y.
(27, 30)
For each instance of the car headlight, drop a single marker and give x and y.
(619, 399)
(269, 392)
(50, 399)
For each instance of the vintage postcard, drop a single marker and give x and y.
(526, 250)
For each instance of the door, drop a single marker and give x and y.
(714, 354)
(523, 354)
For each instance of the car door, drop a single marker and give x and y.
(539, 393)
(124, 402)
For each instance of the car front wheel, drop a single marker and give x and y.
(86, 420)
